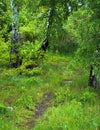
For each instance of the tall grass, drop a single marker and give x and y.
(75, 106)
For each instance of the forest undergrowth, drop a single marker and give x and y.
(53, 96)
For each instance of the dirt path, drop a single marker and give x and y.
(40, 109)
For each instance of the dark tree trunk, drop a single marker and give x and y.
(92, 78)
(15, 60)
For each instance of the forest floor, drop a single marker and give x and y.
(53, 96)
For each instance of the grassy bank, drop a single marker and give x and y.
(72, 106)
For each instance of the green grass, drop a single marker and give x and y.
(70, 116)
(75, 106)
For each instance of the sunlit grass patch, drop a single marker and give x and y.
(70, 116)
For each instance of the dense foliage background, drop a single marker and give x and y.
(75, 28)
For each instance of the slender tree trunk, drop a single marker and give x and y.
(15, 60)
(45, 43)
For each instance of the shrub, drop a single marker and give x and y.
(3, 109)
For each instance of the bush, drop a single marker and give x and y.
(4, 54)
(88, 97)
(3, 109)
